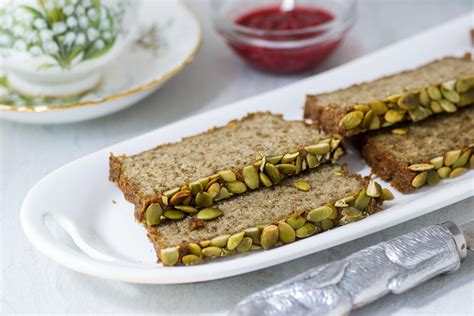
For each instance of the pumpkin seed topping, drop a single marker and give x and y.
(287, 158)
(420, 167)
(306, 230)
(296, 221)
(400, 131)
(444, 172)
(265, 179)
(433, 178)
(457, 172)
(434, 93)
(273, 173)
(462, 160)
(212, 252)
(236, 187)
(448, 106)
(302, 185)
(387, 195)
(186, 209)
(194, 249)
(153, 214)
(451, 157)
(269, 236)
(408, 101)
(244, 245)
(189, 260)
(420, 179)
(437, 162)
(250, 175)
(374, 189)
(169, 256)
(351, 120)
(174, 214)
(394, 116)
(319, 149)
(209, 213)
(379, 107)
(286, 233)
(228, 176)
(319, 214)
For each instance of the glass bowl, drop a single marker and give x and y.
(283, 51)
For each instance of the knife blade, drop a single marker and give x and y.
(394, 266)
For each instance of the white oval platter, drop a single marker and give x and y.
(107, 243)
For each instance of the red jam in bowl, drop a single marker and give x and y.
(285, 59)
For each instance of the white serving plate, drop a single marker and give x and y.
(109, 244)
(139, 71)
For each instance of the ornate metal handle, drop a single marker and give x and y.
(335, 288)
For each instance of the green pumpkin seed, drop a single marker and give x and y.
(424, 97)
(205, 243)
(171, 192)
(179, 197)
(236, 187)
(466, 98)
(449, 85)
(203, 199)
(400, 131)
(465, 84)
(462, 160)
(287, 158)
(204, 181)
(296, 221)
(194, 249)
(186, 209)
(436, 107)
(212, 252)
(306, 230)
(228, 176)
(234, 240)
(374, 189)
(362, 200)
(253, 233)
(362, 107)
(434, 93)
(394, 116)
(448, 106)
(190, 260)
(451, 95)
(375, 124)
(387, 195)
(319, 214)
(335, 144)
(209, 213)
(392, 98)
(226, 252)
(286, 168)
(437, 162)
(195, 187)
(269, 236)
(211, 182)
(312, 161)
(187, 200)
(326, 224)
(220, 241)
(351, 120)
(272, 173)
(250, 175)
(379, 107)
(255, 247)
(337, 154)
(350, 219)
(298, 165)
(368, 118)
(302, 185)
(408, 101)
(419, 113)
(223, 194)
(420, 179)
(153, 214)
(174, 214)
(386, 124)
(471, 161)
(319, 149)
(433, 178)
(444, 172)
(245, 245)
(164, 199)
(169, 256)
(451, 157)
(457, 172)
(265, 180)
(214, 190)
(286, 233)
(274, 160)
(420, 167)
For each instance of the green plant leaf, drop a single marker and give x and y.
(92, 53)
(33, 11)
(3, 81)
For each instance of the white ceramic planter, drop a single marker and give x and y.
(59, 48)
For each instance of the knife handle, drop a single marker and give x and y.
(394, 266)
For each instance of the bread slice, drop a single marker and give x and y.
(420, 154)
(441, 86)
(258, 150)
(270, 217)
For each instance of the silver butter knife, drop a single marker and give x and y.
(394, 266)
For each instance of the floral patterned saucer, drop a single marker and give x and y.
(168, 39)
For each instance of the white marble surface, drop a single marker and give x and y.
(31, 283)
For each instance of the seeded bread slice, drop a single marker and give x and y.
(184, 174)
(292, 212)
(441, 86)
(424, 153)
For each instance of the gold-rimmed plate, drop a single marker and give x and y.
(169, 38)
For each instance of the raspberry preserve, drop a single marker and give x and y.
(284, 41)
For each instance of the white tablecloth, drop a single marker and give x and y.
(31, 283)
